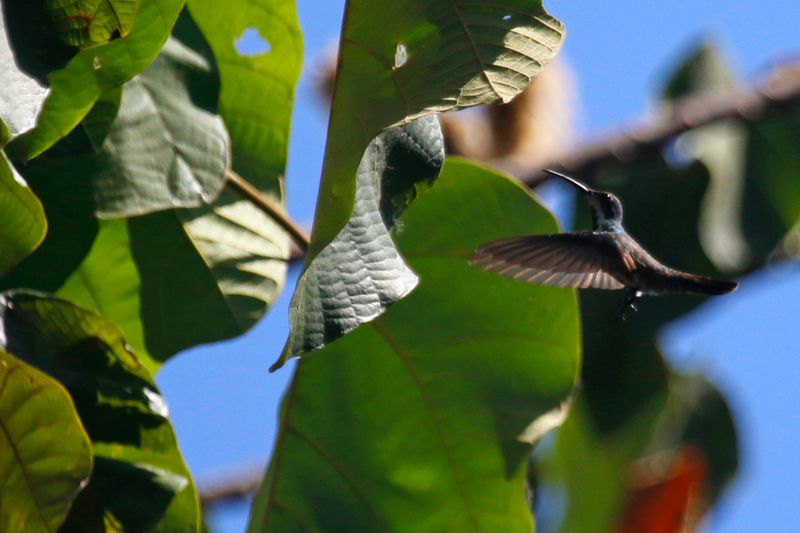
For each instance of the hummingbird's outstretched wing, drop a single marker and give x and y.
(581, 260)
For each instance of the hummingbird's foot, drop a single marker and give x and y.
(630, 302)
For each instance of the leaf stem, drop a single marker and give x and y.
(249, 191)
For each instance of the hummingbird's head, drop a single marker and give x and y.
(606, 208)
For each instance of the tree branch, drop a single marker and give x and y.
(747, 104)
(276, 212)
(234, 486)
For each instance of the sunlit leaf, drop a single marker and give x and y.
(22, 220)
(45, 455)
(259, 133)
(227, 260)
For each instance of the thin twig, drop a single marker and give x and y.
(246, 189)
(234, 486)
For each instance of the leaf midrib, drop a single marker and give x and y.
(15, 451)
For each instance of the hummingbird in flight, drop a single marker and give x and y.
(604, 258)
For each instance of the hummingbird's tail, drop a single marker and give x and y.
(693, 283)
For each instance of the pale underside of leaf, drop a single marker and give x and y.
(506, 48)
(164, 149)
(361, 273)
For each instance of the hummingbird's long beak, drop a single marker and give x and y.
(575, 183)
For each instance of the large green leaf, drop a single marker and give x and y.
(412, 422)
(139, 480)
(432, 56)
(76, 87)
(45, 455)
(259, 133)
(21, 96)
(22, 221)
(85, 23)
(360, 274)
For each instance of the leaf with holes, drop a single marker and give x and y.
(433, 57)
(45, 455)
(259, 133)
(414, 421)
(139, 480)
(76, 87)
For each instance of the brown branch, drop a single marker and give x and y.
(776, 93)
(236, 485)
(276, 212)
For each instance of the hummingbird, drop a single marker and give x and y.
(606, 257)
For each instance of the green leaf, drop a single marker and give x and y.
(432, 57)
(360, 274)
(259, 133)
(412, 422)
(22, 221)
(139, 481)
(771, 208)
(21, 96)
(45, 455)
(75, 88)
(167, 147)
(86, 23)
(721, 147)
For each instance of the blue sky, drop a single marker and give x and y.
(224, 403)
